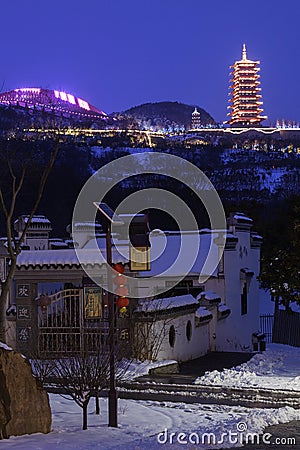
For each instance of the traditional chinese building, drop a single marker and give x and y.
(245, 98)
(196, 120)
(55, 308)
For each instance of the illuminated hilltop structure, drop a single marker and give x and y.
(58, 102)
(196, 120)
(245, 99)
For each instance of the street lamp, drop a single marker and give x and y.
(111, 218)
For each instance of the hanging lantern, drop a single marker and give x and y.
(122, 302)
(119, 267)
(120, 280)
(122, 291)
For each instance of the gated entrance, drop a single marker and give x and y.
(72, 321)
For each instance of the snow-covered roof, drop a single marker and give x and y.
(208, 295)
(86, 225)
(242, 217)
(202, 312)
(247, 271)
(35, 219)
(161, 304)
(222, 307)
(174, 254)
(64, 257)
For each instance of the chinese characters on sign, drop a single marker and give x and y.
(23, 290)
(92, 302)
(23, 312)
(23, 334)
(124, 334)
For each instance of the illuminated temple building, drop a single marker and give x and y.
(57, 102)
(245, 98)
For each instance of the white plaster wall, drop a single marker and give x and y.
(235, 332)
(183, 349)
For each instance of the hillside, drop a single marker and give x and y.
(166, 115)
(13, 117)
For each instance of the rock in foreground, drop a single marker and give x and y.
(24, 405)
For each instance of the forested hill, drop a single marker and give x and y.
(166, 115)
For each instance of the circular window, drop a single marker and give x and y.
(172, 336)
(188, 330)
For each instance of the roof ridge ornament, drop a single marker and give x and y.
(244, 53)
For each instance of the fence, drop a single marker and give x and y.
(286, 328)
(266, 326)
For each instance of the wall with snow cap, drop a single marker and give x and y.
(184, 349)
(234, 333)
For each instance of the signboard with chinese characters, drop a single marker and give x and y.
(124, 334)
(139, 258)
(23, 312)
(92, 302)
(23, 334)
(23, 290)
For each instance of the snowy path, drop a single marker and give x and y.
(141, 422)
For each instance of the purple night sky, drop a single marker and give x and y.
(117, 54)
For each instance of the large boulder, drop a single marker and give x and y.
(24, 405)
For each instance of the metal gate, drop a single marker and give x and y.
(63, 328)
(266, 326)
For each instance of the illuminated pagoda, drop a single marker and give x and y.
(196, 119)
(245, 99)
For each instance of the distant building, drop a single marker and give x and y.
(57, 102)
(245, 99)
(196, 120)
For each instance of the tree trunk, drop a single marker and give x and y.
(97, 403)
(84, 416)
(3, 301)
(5, 288)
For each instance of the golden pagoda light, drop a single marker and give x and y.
(245, 98)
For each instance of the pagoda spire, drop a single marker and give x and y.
(244, 54)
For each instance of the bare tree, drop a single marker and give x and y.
(18, 174)
(81, 376)
(150, 327)
(84, 375)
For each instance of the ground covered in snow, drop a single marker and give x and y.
(147, 425)
(276, 368)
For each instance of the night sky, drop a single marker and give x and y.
(117, 54)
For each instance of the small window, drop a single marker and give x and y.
(188, 330)
(244, 300)
(172, 336)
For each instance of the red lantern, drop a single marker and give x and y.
(122, 302)
(120, 280)
(122, 291)
(119, 267)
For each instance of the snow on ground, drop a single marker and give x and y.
(137, 368)
(276, 368)
(141, 423)
(147, 425)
